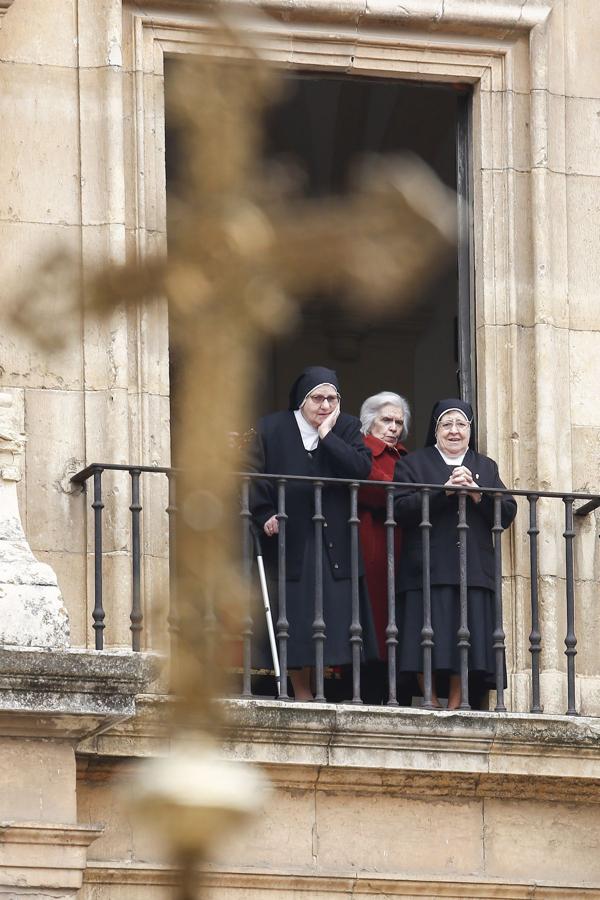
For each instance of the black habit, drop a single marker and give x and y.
(427, 466)
(342, 453)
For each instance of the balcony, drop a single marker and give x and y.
(546, 520)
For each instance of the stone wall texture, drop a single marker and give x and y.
(82, 170)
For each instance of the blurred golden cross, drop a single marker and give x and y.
(242, 252)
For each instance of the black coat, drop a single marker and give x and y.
(427, 467)
(278, 449)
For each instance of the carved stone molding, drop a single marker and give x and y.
(70, 693)
(477, 15)
(251, 882)
(41, 857)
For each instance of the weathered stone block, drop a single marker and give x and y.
(428, 833)
(25, 246)
(100, 40)
(34, 775)
(581, 45)
(53, 520)
(582, 124)
(33, 99)
(35, 32)
(567, 843)
(583, 214)
(103, 186)
(583, 348)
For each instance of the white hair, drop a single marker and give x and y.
(373, 406)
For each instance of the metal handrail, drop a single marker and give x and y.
(320, 485)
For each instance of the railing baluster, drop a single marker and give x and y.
(535, 637)
(136, 616)
(319, 622)
(463, 629)
(246, 517)
(173, 617)
(283, 626)
(427, 630)
(499, 646)
(570, 639)
(355, 627)
(98, 613)
(391, 632)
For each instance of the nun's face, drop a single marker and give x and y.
(319, 404)
(453, 433)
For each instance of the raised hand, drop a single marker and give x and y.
(328, 423)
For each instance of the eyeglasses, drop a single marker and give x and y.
(459, 424)
(319, 399)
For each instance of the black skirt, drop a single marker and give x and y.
(300, 613)
(445, 620)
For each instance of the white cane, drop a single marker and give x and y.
(267, 609)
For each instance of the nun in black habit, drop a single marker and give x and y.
(313, 437)
(448, 458)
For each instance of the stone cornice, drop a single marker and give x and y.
(479, 15)
(363, 884)
(39, 859)
(472, 16)
(411, 751)
(70, 693)
(333, 725)
(254, 882)
(49, 835)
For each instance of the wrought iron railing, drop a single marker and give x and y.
(281, 630)
(94, 474)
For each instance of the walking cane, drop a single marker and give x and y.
(267, 607)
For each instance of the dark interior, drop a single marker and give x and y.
(322, 126)
(325, 124)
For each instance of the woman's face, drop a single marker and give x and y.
(320, 403)
(453, 433)
(388, 424)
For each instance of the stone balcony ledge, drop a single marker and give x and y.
(342, 747)
(477, 753)
(72, 691)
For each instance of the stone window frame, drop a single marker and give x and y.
(502, 50)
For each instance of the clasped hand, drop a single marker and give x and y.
(461, 476)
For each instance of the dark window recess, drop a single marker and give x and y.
(322, 127)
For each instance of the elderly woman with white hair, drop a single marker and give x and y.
(385, 418)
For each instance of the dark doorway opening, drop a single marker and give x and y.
(323, 125)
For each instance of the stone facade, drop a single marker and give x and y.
(82, 168)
